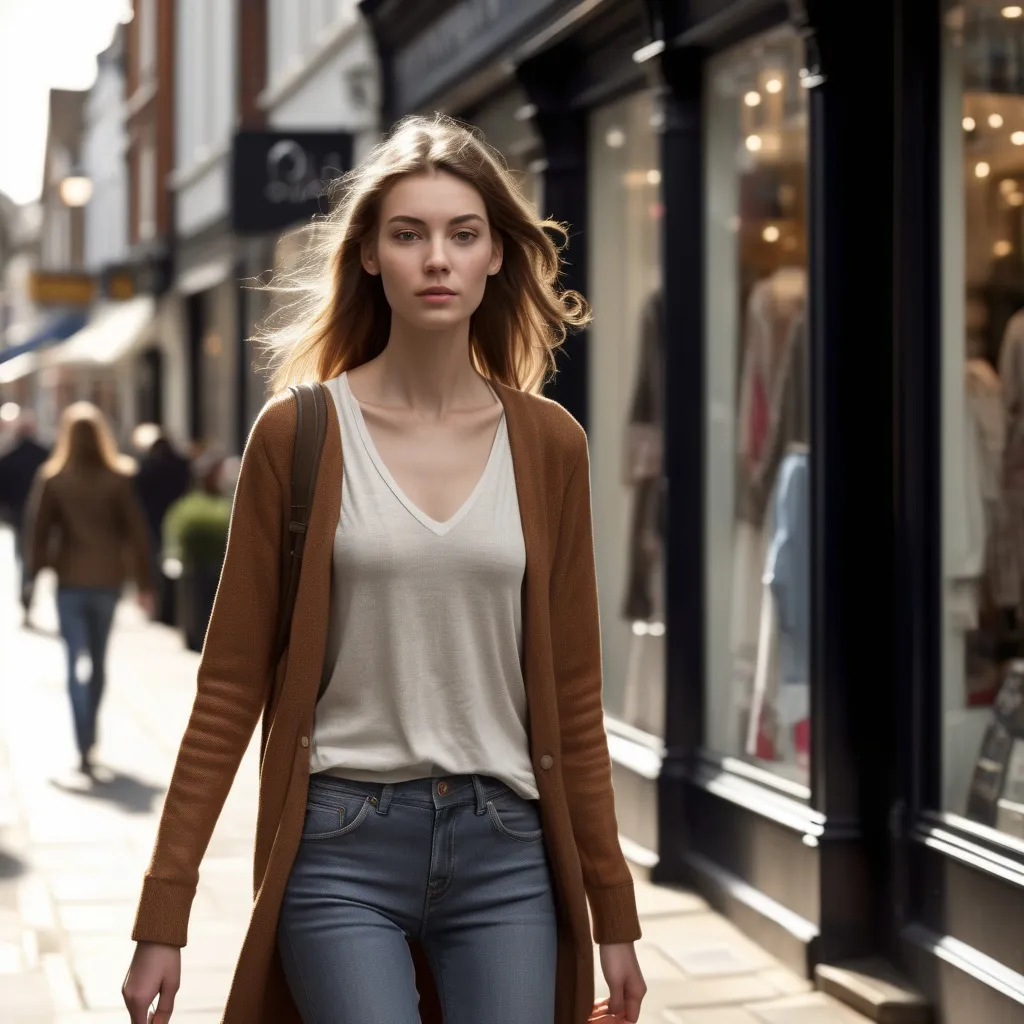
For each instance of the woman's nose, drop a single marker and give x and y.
(437, 257)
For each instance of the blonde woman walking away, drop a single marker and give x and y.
(82, 520)
(432, 827)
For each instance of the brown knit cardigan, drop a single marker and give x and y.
(238, 683)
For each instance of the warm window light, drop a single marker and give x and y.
(1002, 248)
(969, 124)
(771, 233)
(753, 143)
(981, 169)
(1013, 11)
(753, 98)
(773, 85)
(995, 120)
(75, 189)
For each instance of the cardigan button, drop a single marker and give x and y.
(304, 741)
(546, 761)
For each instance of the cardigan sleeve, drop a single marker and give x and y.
(586, 764)
(233, 681)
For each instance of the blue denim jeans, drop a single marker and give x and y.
(456, 862)
(86, 615)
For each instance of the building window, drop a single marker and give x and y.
(983, 415)
(146, 191)
(146, 29)
(626, 391)
(757, 495)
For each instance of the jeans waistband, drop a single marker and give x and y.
(439, 791)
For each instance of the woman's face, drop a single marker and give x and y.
(434, 250)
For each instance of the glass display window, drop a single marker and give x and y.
(983, 415)
(758, 421)
(507, 124)
(626, 393)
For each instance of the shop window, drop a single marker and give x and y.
(983, 414)
(758, 430)
(626, 394)
(507, 125)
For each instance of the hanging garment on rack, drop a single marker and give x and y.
(985, 405)
(1011, 376)
(773, 327)
(643, 470)
(782, 672)
(772, 413)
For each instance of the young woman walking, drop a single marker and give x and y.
(431, 830)
(82, 520)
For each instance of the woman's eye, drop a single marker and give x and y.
(406, 236)
(465, 236)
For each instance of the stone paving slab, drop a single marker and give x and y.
(72, 856)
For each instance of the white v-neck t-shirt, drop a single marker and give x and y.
(424, 650)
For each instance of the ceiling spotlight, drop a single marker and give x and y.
(981, 169)
(773, 85)
(752, 98)
(969, 124)
(771, 233)
(1012, 11)
(753, 143)
(995, 120)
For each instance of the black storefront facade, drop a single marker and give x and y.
(800, 227)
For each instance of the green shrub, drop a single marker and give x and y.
(196, 529)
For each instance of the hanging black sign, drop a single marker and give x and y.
(278, 178)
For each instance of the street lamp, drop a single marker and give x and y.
(76, 188)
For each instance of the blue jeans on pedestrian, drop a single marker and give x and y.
(456, 862)
(86, 615)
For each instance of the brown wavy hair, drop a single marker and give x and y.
(329, 315)
(85, 441)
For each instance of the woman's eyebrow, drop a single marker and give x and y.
(461, 219)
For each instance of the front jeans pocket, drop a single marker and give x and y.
(329, 817)
(516, 818)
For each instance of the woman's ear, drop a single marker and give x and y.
(368, 256)
(497, 254)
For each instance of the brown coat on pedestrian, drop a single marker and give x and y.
(237, 684)
(87, 524)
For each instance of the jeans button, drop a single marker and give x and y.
(304, 741)
(442, 788)
(546, 761)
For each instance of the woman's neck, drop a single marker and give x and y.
(429, 371)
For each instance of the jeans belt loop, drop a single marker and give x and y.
(481, 796)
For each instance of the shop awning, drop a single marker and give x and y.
(56, 328)
(114, 330)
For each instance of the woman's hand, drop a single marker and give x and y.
(155, 971)
(626, 986)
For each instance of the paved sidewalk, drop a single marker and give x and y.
(72, 855)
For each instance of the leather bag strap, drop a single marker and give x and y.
(310, 431)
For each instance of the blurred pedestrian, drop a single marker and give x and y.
(163, 477)
(442, 676)
(18, 468)
(83, 520)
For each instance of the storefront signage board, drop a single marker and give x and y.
(278, 178)
(463, 37)
(50, 289)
